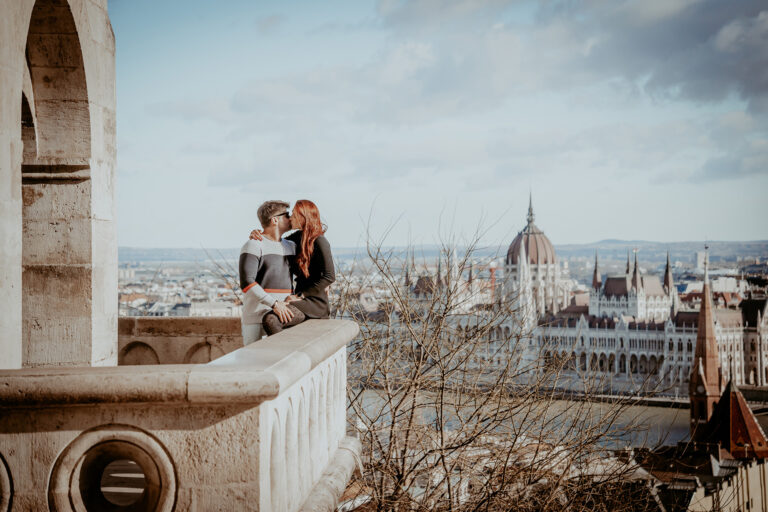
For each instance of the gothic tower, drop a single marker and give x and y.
(706, 381)
(596, 279)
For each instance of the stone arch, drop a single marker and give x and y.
(202, 353)
(593, 362)
(28, 133)
(57, 72)
(643, 364)
(602, 363)
(612, 363)
(653, 367)
(6, 486)
(58, 279)
(138, 352)
(633, 366)
(583, 361)
(623, 363)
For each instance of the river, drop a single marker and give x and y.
(633, 425)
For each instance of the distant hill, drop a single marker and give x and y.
(657, 251)
(648, 251)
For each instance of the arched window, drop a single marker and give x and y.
(643, 365)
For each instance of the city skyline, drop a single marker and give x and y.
(625, 120)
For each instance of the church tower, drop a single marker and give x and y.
(706, 381)
(597, 281)
(668, 284)
(637, 285)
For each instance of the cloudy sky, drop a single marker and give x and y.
(633, 120)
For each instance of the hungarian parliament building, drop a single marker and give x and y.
(632, 334)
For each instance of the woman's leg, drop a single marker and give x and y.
(273, 325)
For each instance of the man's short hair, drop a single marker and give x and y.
(269, 209)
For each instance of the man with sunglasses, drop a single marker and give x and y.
(265, 276)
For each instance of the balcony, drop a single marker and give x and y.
(261, 427)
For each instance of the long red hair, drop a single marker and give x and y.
(308, 217)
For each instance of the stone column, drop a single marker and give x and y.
(13, 27)
(69, 255)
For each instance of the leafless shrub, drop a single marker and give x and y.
(456, 407)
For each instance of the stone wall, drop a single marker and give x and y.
(58, 250)
(176, 340)
(261, 428)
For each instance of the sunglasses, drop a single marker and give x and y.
(287, 214)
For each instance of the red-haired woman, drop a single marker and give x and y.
(312, 267)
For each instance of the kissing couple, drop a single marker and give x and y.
(284, 280)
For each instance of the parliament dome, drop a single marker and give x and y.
(538, 248)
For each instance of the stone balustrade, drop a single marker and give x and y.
(260, 428)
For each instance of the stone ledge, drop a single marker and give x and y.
(177, 326)
(249, 375)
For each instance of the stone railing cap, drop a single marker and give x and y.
(249, 375)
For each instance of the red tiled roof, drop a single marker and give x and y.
(735, 427)
(620, 286)
(617, 286)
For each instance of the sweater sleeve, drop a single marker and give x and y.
(326, 274)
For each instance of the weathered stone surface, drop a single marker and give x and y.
(53, 319)
(326, 493)
(234, 436)
(176, 340)
(70, 49)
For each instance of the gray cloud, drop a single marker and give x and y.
(268, 24)
(416, 106)
(734, 166)
(700, 50)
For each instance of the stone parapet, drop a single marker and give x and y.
(176, 340)
(262, 428)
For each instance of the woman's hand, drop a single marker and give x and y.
(257, 234)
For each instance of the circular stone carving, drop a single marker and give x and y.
(75, 484)
(6, 486)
